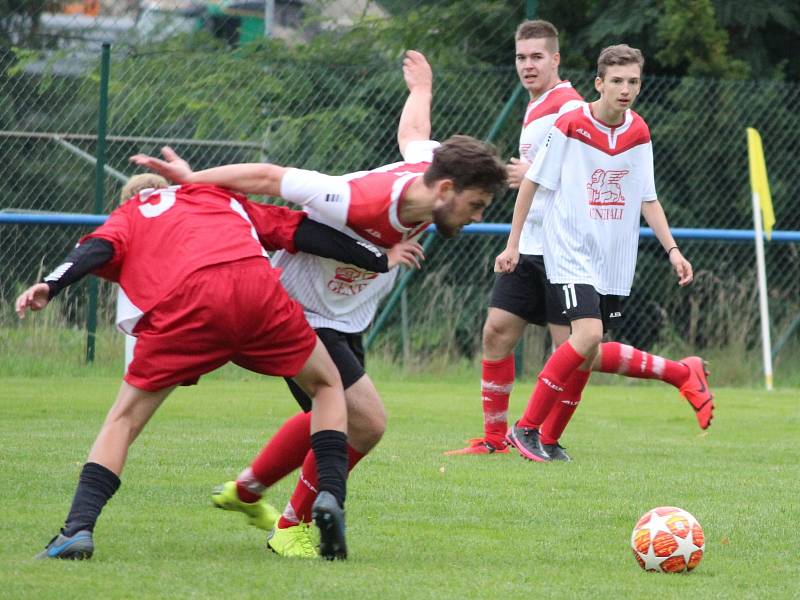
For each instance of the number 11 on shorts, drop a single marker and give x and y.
(570, 299)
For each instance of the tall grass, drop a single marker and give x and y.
(37, 348)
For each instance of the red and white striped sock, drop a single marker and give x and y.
(628, 361)
(497, 380)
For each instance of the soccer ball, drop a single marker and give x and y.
(668, 540)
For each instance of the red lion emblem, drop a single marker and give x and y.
(604, 188)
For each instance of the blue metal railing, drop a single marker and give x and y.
(723, 235)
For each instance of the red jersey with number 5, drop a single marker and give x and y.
(162, 236)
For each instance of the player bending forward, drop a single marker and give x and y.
(449, 184)
(521, 297)
(598, 162)
(199, 292)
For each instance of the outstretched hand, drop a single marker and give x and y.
(682, 267)
(416, 71)
(173, 167)
(35, 297)
(407, 253)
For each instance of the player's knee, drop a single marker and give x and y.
(366, 418)
(587, 341)
(374, 426)
(498, 340)
(319, 376)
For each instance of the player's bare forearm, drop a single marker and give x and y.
(522, 206)
(507, 260)
(654, 216)
(247, 178)
(415, 120)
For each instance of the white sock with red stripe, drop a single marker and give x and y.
(626, 360)
(497, 380)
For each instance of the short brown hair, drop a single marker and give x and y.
(621, 54)
(468, 163)
(140, 182)
(534, 30)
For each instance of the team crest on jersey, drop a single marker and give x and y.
(349, 281)
(606, 200)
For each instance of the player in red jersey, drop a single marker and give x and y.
(597, 163)
(450, 184)
(199, 293)
(520, 297)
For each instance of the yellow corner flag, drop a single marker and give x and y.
(758, 178)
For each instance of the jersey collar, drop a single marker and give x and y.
(612, 132)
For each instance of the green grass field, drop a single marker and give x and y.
(420, 525)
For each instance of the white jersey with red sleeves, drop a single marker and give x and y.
(540, 116)
(365, 205)
(162, 236)
(601, 174)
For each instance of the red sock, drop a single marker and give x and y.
(298, 510)
(283, 454)
(551, 383)
(632, 362)
(496, 382)
(560, 415)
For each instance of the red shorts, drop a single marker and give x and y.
(229, 312)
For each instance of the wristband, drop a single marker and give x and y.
(671, 249)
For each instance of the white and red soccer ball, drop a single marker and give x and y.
(668, 540)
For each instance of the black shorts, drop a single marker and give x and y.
(525, 292)
(581, 301)
(347, 353)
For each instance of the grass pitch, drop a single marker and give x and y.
(420, 525)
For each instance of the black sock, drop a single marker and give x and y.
(330, 450)
(95, 487)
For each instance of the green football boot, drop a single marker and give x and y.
(260, 514)
(297, 541)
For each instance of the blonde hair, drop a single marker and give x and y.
(621, 54)
(534, 30)
(140, 182)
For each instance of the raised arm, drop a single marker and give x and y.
(247, 178)
(507, 260)
(415, 120)
(654, 216)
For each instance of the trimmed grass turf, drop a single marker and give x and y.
(420, 525)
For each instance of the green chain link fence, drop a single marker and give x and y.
(267, 101)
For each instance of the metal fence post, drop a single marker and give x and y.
(99, 191)
(530, 9)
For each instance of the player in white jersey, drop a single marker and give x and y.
(598, 161)
(521, 296)
(449, 184)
